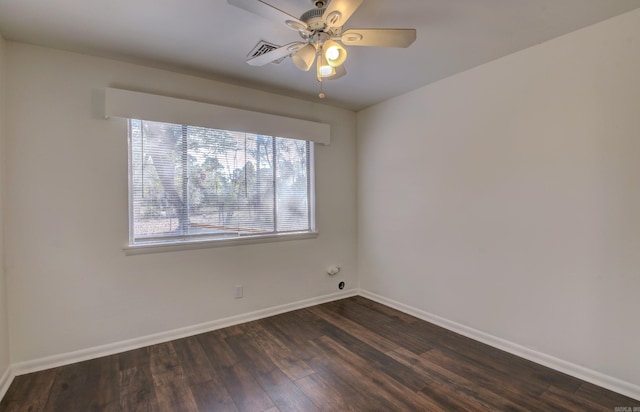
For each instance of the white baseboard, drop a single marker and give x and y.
(569, 368)
(577, 371)
(54, 361)
(5, 381)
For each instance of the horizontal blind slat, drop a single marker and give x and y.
(189, 182)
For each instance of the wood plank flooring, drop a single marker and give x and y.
(348, 355)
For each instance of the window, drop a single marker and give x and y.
(191, 183)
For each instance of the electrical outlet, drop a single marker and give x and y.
(239, 291)
(333, 270)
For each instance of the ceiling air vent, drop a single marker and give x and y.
(264, 47)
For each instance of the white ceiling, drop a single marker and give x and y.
(212, 38)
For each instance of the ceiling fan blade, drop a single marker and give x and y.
(270, 12)
(276, 54)
(379, 37)
(339, 11)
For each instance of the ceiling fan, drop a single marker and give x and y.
(322, 31)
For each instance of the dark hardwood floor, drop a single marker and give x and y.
(349, 355)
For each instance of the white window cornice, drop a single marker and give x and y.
(136, 105)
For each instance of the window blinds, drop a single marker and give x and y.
(189, 183)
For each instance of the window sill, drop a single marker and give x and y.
(146, 248)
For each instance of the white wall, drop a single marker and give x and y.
(71, 286)
(4, 331)
(507, 198)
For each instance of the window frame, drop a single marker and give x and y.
(200, 241)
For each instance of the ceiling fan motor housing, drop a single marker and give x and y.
(313, 18)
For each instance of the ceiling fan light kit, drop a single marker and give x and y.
(336, 73)
(325, 70)
(334, 53)
(303, 58)
(321, 28)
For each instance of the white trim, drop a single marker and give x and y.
(6, 380)
(135, 105)
(141, 249)
(597, 378)
(625, 388)
(54, 361)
